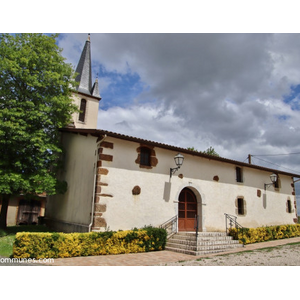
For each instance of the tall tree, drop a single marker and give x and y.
(35, 90)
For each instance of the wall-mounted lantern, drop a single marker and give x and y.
(273, 178)
(178, 161)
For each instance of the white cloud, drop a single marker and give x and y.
(143, 121)
(220, 90)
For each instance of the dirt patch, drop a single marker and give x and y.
(286, 255)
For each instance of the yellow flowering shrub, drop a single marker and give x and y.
(261, 234)
(54, 245)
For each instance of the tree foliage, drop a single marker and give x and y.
(209, 151)
(35, 90)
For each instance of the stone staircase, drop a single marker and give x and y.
(207, 242)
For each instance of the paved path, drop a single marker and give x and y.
(156, 258)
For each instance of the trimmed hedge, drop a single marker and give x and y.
(261, 234)
(55, 245)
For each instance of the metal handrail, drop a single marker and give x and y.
(196, 227)
(232, 221)
(196, 224)
(170, 226)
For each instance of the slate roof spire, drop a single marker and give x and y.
(84, 70)
(95, 90)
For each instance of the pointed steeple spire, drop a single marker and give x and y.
(87, 97)
(95, 90)
(84, 69)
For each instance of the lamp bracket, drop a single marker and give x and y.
(268, 184)
(173, 170)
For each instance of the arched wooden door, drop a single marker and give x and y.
(187, 210)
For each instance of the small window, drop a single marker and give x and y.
(277, 184)
(289, 206)
(82, 110)
(241, 206)
(239, 174)
(145, 156)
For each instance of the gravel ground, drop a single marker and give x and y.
(286, 255)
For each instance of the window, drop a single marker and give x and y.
(289, 206)
(145, 156)
(239, 174)
(82, 110)
(277, 184)
(240, 206)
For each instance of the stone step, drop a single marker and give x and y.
(206, 238)
(202, 247)
(206, 242)
(202, 252)
(202, 234)
(201, 242)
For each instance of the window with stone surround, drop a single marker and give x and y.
(146, 157)
(240, 206)
(289, 206)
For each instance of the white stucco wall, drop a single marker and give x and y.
(12, 211)
(154, 205)
(79, 171)
(91, 115)
(125, 211)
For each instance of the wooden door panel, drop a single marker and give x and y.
(187, 210)
(181, 224)
(189, 224)
(29, 211)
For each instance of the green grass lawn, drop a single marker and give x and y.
(8, 236)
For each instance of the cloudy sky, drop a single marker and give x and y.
(238, 93)
(193, 86)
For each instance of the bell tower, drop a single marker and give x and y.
(87, 96)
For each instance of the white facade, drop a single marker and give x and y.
(212, 180)
(75, 206)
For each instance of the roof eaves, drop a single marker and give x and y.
(100, 132)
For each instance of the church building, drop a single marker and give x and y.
(119, 182)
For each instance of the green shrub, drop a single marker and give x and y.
(54, 245)
(158, 238)
(2, 233)
(261, 234)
